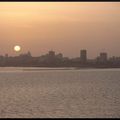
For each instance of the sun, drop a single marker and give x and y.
(17, 48)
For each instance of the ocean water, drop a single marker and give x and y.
(64, 93)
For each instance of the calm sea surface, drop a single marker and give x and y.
(38, 93)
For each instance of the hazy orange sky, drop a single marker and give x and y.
(64, 27)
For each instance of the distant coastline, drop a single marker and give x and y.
(53, 60)
(56, 68)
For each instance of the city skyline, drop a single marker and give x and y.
(51, 59)
(65, 27)
(83, 53)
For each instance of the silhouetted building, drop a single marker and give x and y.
(83, 55)
(6, 55)
(59, 56)
(29, 54)
(51, 53)
(103, 57)
(114, 59)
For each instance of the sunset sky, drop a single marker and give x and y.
(64, 27)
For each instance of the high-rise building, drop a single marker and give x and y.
(83, 55)
(51, 53)
(103, 57)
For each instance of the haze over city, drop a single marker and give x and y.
(59, 59)
(65, 27)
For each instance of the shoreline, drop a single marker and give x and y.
(36, 68)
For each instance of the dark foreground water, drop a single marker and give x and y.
(38, 93)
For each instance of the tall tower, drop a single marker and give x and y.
(83, 55)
